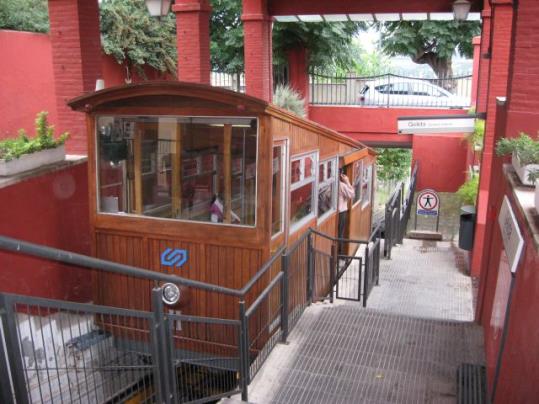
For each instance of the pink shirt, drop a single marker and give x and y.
(346, 193)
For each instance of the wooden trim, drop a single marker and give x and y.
(241, 102)
(353, 156)
(137, 168)
(176, 173)
(227, 173)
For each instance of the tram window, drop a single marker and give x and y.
(366, 187)
(356, 182)
(327, 188)
(187, 168)
(277, 192)
(302, 189)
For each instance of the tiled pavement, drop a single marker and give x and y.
(405, 348)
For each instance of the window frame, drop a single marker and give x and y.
(334, 197)
(284, 181)
(366, 197)
(302, 182)
(197, 119)
(358, 192)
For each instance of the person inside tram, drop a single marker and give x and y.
(217, 211)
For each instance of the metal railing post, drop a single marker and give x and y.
(284, 299)
(244, 354)
(13, 356)
(334, 263)
(366, 276)
(310, 268)
(161, 346)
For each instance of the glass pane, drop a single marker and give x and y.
(330, 171)
(321, 172)
(296, 171)
(173, 167)
(309, 167)
(301, 202)
(358, 165)
(325, 198)
(277, 191)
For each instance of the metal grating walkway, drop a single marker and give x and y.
(351, 355)
(405, 348)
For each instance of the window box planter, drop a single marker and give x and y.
(31, 161)
(523, 171)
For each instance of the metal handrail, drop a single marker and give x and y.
(325, 76)
(337, 239)
(67, 257)
(262, 271)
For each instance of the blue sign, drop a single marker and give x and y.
(174, 257)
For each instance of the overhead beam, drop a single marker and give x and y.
(302, 7)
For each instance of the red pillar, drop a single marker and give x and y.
(476, 42)
(298, 73)
(484, 59)
(76, 58)
(193, 40)
(257, 27)
(501, 28)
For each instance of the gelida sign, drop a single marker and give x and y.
(439, 124)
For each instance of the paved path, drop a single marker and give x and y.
(404, 348)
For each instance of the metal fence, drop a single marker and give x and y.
(391, 90)
(236, 81)
(397, 213)
(61, 351)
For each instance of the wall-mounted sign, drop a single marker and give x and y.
(513, 242)
(428, 203)
(436, 124)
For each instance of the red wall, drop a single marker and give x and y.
(26, 81)
(371, 125)
(442, 161)
(50, 209)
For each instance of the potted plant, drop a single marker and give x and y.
(23, 153)
(525, 155)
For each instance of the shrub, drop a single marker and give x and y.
(526, 148)
(288, 98)
(43, 139)
(468, 191)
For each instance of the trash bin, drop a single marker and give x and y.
(467, 227)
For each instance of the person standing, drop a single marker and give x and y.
(346, 194)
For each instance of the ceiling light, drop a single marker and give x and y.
(461, 8)
(158, 8)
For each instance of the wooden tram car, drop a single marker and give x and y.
(227, 177)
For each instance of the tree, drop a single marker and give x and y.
(24, 15)
(329, 44)
(393, 164)
(430, 42)
(136, 39)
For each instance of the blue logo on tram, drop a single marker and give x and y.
(174, 257)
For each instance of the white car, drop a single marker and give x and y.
(408, 93)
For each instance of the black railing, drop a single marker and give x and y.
(67, 351)
(236, 81)
(397, 213)
(390, 90)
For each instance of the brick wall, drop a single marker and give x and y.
(76, 56)
(193, 40)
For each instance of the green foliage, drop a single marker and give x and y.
(525, 147)
(468, 191)
(136, 39)
(24, 15)
(330, 45)
(43, 139)
(287, 98)
(430, 42)
(393, 164)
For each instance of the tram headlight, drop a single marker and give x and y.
(171, 293)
